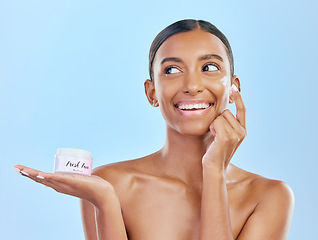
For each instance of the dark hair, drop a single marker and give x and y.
(186, 26)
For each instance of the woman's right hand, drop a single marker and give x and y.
(95, 190)
(91, 188)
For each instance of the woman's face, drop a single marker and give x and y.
(191, 81)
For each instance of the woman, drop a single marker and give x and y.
(188, 189)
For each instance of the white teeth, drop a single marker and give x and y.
(194, 106)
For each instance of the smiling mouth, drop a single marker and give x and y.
(194, 107)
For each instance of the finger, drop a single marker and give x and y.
(26, 170)
(53, 181)
(228, 115)
(69, 184)
(221, 127)
(62, 183)
(26, 173)
(31, 173)
(235, 124)
(240, 108)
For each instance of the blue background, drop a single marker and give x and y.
(72, 73)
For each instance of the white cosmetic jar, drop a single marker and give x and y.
(70, 160)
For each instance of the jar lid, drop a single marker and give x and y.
(72, 152)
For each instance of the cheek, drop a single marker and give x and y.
(221, 92)
(218, 87)
(165, 96)
(225, 80)
(167, 89)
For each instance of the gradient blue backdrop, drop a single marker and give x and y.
(72, 73)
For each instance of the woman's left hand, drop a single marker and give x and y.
(228, 133)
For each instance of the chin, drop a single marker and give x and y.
(193, 129)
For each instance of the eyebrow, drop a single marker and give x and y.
(211, 56)
(171, 59)
(201, 58)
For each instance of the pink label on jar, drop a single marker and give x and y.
(72, 165)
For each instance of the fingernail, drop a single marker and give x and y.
(40, 177)
(17, 170)
(24, 173)
(234, 87)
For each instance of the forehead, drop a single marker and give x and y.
(190, 44)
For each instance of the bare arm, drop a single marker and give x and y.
(103, 223)
(228, 133)
(88, 220)
(215, 217)
(100, 203)
(272, 216)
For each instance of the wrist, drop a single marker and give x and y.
(105, 198)
(213, 165)
(215, 170)
(107, 205)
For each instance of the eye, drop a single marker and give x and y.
(210, 67)
(172, 70)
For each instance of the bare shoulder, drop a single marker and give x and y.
(121, 173)
(272, 202)
(269, 196)
(274, 189)
(260, 190)
(263, 188)
(113, 170)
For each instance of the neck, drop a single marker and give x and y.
(181, 156)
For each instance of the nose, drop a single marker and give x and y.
(193, 84)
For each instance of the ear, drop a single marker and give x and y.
(234, 81)
(151, 93)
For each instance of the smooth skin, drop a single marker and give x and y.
(188, 189)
